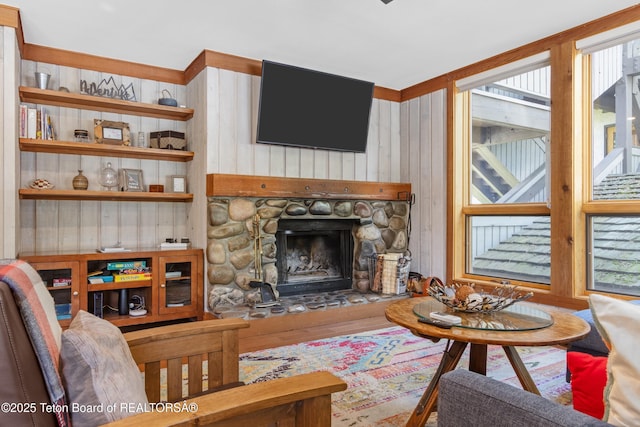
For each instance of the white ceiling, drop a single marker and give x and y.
(394, 45)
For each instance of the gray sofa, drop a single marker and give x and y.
(467, 398)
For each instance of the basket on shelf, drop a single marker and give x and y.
(389, 273)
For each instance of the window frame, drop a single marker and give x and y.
(570, 169)
(566, 193)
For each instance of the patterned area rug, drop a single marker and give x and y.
(387, 371)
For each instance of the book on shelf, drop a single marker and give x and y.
(176, 245)
(131, 277)
(36, 123)
(95, 280)
(23, 120)
(122, 265)
(112, 249)
(63, 311)
(32, 120)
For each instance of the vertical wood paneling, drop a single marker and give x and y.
(384, 141)
(73, 225)
(292, 162)
(228, 97)
(394, 139)
(196, 217)
(211, 126)
(335, 165)
(438, 182)
(306, 163)
(232, 108)
(277, 161)
(227, 102)
(422, 124)
(373, 144)
(244, 124)
(9, 161)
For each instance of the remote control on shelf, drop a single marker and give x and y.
(434, 322)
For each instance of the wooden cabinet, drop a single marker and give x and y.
(173, 289)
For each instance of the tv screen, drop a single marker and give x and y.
(306, 108)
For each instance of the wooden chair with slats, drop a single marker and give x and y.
(303, 400)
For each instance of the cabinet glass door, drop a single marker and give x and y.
(178, 284)
(61, 279)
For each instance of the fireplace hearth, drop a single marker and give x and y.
(314, 255)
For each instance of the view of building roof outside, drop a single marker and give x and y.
(510, 136)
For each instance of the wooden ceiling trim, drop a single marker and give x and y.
(98, 63)
(10, 17)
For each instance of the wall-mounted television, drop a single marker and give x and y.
(306, 108)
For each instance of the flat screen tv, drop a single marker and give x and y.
(313, 109)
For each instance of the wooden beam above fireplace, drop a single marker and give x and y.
(270, 186)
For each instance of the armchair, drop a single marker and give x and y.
(304, 400)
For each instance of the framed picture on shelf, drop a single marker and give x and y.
(131, 180)
(114, 133)
(177, 184)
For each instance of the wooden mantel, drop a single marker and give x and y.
(269, 186)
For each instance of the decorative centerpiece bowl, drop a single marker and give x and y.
(463, 297)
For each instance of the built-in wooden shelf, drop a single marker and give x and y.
(88, 102)
(118, 285)
(116, 196)
(92, 149)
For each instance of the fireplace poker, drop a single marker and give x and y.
(266, 291)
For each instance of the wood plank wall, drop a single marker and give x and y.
(232, 108)
(86, 225)
(222, 132)
(423, 163)
(9, 158)
(406, 144)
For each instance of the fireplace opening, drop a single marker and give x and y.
(314, 255)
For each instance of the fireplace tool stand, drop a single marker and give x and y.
(266, 290)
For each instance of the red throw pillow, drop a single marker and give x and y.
(588, 380)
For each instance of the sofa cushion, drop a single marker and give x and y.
(588, 379)
(469, 399)
(101, 378)
(617, 321)
(592, 343)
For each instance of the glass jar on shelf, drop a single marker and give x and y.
(81, 135)
(108, 177)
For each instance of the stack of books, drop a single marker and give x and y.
(129, 271)
(36, 123)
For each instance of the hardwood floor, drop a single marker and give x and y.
(312, 325)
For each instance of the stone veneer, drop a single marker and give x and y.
(379, 227)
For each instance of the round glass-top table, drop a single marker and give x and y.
(521, 324)
(518, 317)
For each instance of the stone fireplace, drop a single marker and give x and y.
(314, 255)
(315, 235)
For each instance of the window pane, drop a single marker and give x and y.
(509, 134)
(615, 118)
(511, 247)
(615, 254)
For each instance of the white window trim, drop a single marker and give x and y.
(609, 38)
(511, 69)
